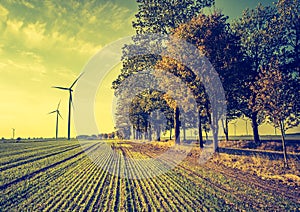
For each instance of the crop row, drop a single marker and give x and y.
(28, 191)
(24, 168)
(174, 192)
(10, 149)
(29, 157)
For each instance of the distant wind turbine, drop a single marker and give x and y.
(246, 121)
(13, 132)
(234, 124)
(57, 114)
(70, 102)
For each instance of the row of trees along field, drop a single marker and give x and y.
(256, 57)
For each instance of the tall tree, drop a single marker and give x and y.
(259, 43)
(212, 36)
(277, 95)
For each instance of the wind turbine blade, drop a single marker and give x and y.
(62, 88)
(52, 112)
(59, 114)
(76, 81)
(58, 105)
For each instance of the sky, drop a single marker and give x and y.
(47, 43)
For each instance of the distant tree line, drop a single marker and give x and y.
(111, 135)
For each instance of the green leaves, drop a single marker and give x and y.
(162, 16)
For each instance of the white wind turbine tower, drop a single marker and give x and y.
(57, 114)
(13, 132)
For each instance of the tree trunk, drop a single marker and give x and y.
(170, 133)
(227, 131)
(146, 132)
(158, 133)
(177, 125)
(149, 133)
(255, 127)
(133, 133)
(201, 143)
(215, 139)
(215, 131)
(283, 145)
(184, 131)
(225, 128)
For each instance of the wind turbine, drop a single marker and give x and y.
(70, 102)
(234, 124)
(57, 114)
(246, 121)
(13, 132)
